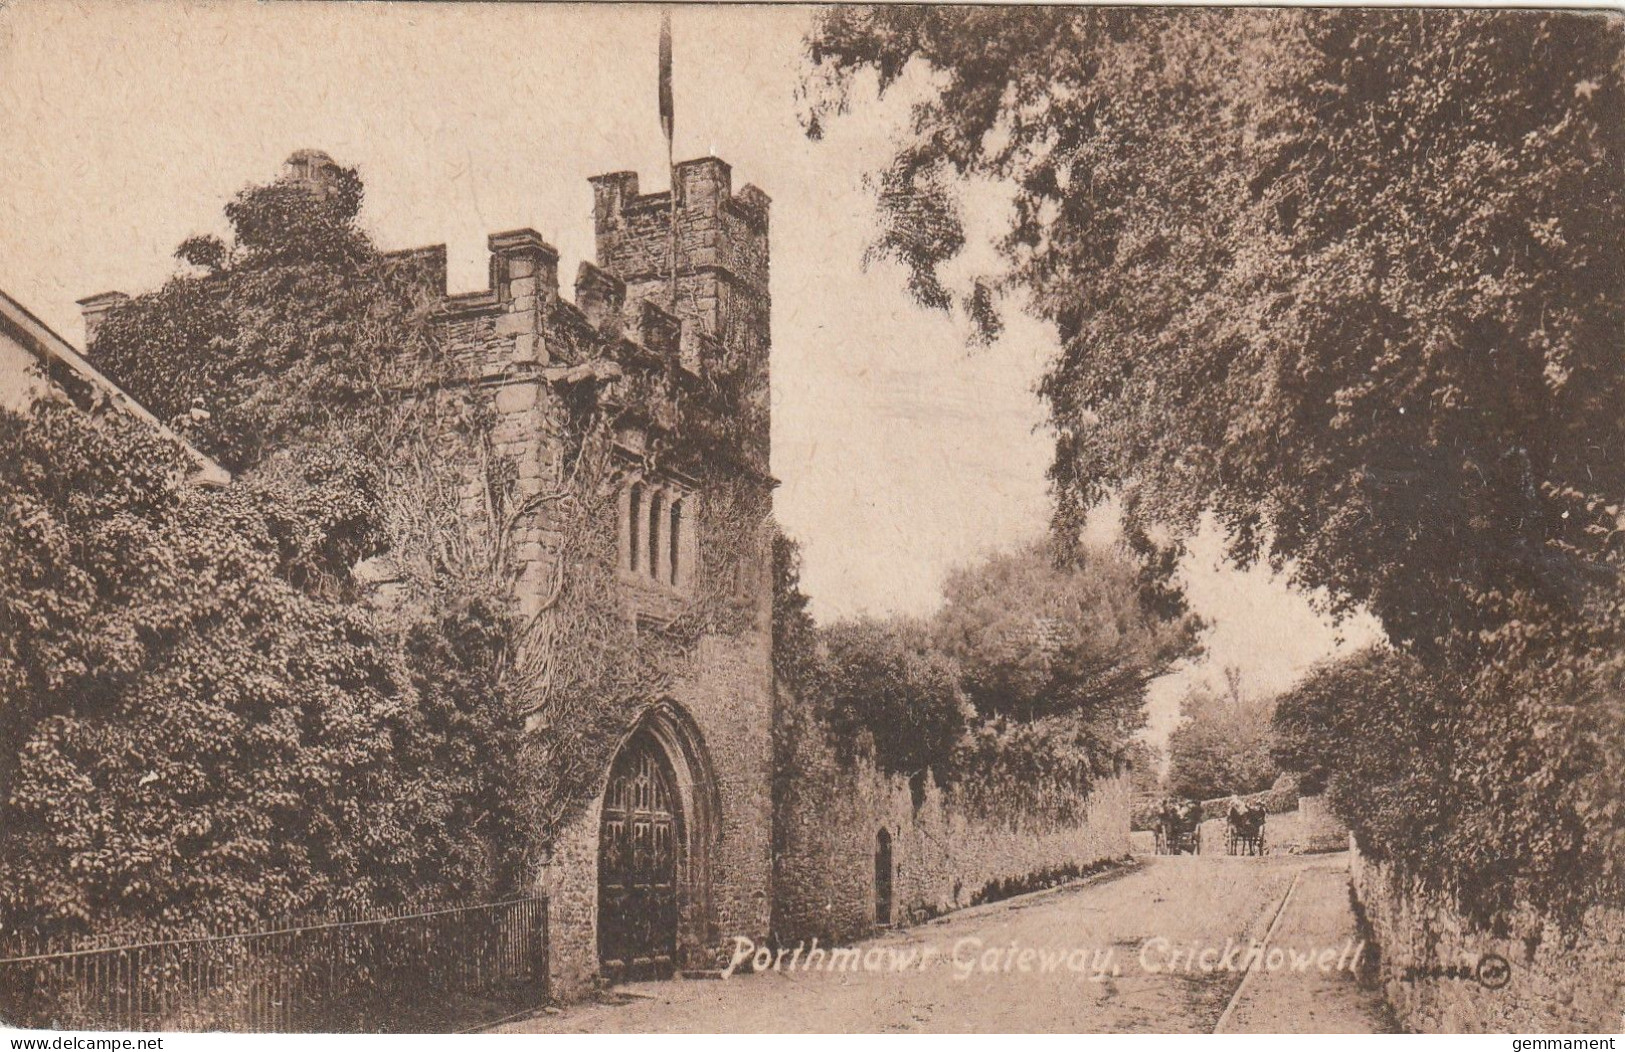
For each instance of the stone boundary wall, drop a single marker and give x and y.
(830, 811)
(1317, 828)
(1554, 986)
(1278, 799)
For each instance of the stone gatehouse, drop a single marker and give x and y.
(713, 807)
(671, 855)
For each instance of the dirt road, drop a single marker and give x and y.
(1164, 946)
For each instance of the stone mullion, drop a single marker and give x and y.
(659, 524)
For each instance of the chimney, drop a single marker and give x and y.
(525, 279)
(95, 310)
(313, 169)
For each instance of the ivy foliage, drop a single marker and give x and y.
(297, 326)
(205, 721)
(795, 631)
(1499, 807)
(594, 668)
(193, 737)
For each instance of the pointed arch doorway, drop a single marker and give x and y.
(656, 828)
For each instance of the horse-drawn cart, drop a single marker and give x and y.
(1244, 833)
(1179, 828)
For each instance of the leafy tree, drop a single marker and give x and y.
(1224, 744)
(203, 720)
(1351, 282)
(884, 680)
(1034, 638)
(1024, 688)
(1498, 805)
(1146, 760)
(299, 326)
(188, 736)
(1055, 658)
(1367, 261)
(1041, 768)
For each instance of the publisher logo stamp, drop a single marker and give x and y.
(1493, 971)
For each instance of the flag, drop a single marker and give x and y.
(667, 114)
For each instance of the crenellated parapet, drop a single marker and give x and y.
(722, 278)
(671, 524)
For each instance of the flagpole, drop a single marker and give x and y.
(667, 124)
(671, 166)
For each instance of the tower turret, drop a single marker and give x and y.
(722, 275)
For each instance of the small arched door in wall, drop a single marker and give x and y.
(883, 878)
(639, 847)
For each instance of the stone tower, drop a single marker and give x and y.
(723, 298)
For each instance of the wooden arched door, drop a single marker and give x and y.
(639, 854)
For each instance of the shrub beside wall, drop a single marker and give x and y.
(1277, 799)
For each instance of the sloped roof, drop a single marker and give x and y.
(67, 369)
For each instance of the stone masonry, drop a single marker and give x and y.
(1554, 982)
(527, 351)
(776, 836)
(831, 810)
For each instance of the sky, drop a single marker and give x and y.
(902, 453)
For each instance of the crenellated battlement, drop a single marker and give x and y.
(718, 230)
(522, 318)
(704, 186)
(622, 307)
(596, 458)
(720, 257)
(679, 385)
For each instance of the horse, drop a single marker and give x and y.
(1246, 829)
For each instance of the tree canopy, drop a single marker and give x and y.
(884, 679)
(203, 720)
(1349, 280)
(297, 326)
(1223, 747)
(1027, 684)
(1035, 637)
(188, 735)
